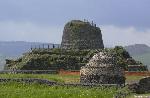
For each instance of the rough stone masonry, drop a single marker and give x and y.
(102, 69)
(81, 35)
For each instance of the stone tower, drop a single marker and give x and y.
(81, 35)
(102, 69)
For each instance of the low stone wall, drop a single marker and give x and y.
(29, 71)
(28, 80)
(50, 83)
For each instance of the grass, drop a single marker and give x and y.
(21, 90)
(130, 79)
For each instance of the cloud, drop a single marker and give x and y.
(105, 12)
(114, 35)
(27, 31)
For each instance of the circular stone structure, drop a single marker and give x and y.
(102, 69)
(81, 35)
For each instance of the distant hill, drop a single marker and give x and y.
(145, 58)
(140, 52)
(13, 49)
(2, 62)
(137, 49)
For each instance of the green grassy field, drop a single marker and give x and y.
(22, 90)
(131, 79)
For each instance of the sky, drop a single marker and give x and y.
(123, 22)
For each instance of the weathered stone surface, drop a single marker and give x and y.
(81, 35)
(102, 69)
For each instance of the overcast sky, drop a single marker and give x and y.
(123, 22)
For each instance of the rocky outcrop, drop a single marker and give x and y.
(81, 35)
(102, 69)
(142, 87)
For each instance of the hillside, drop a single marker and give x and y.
(2, 62)
(138, 49)
(15, 48)
(144, 58)
(140, 52)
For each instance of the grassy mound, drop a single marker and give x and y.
(48, 59)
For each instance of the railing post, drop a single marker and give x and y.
(48, 46)
(53, 46)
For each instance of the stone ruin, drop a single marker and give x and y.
(81, 35)
(102, 69)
